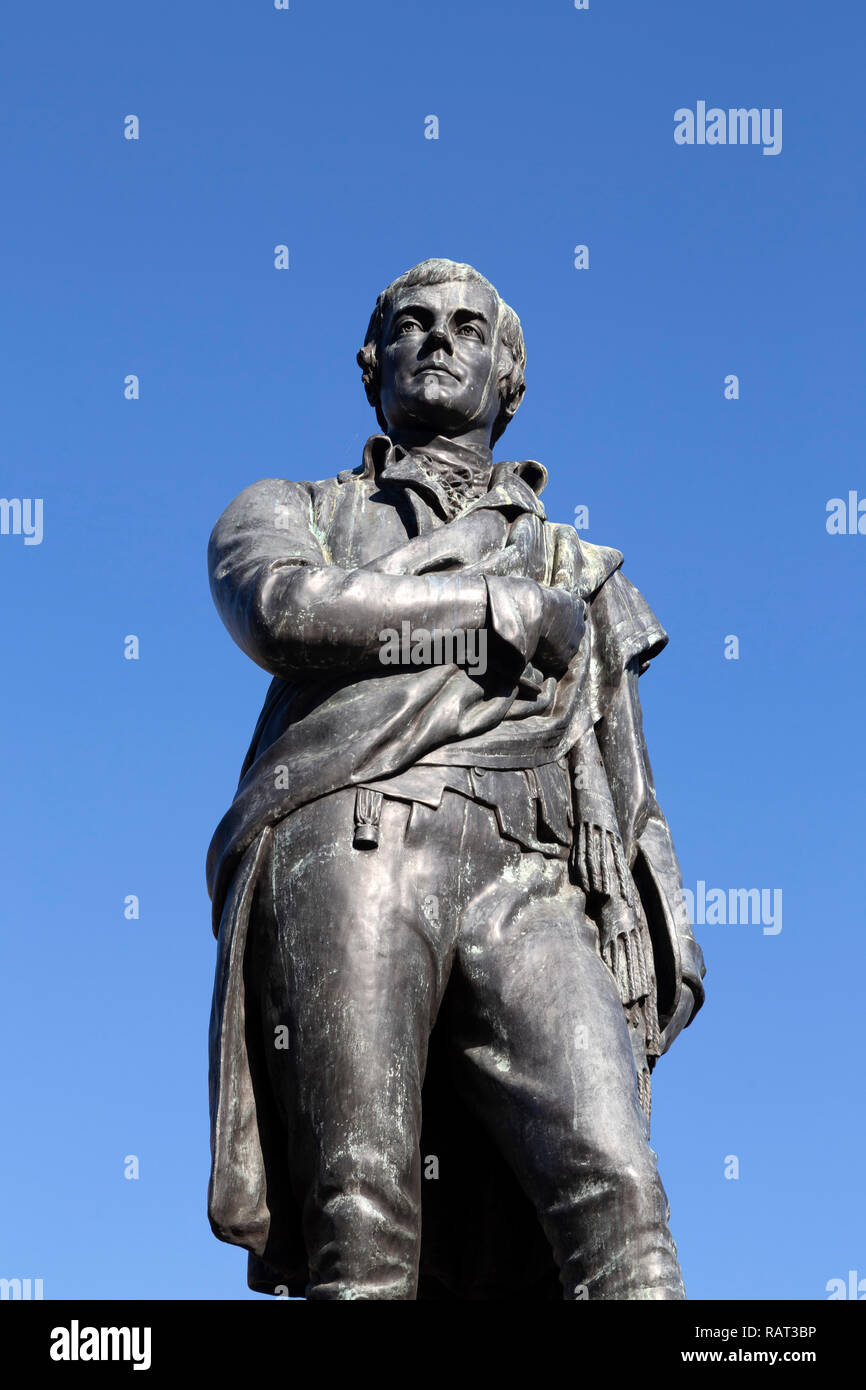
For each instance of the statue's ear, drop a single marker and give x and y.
(534, 474)
(512, 388)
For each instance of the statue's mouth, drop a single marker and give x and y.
(438, 369)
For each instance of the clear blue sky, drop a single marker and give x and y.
(155, 257)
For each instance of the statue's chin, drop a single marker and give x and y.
(434, 413)
(433, 386)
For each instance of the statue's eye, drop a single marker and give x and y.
(469, 330)
(407, 326)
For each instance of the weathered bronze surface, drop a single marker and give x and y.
(451, 944)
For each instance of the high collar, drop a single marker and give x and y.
(391, 462)
(448, 478)
(445, 451)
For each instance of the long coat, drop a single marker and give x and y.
(305, 577)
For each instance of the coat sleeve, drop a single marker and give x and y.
(290, 609)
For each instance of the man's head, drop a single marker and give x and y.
(443, 354)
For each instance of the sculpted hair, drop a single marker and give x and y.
(439, 272)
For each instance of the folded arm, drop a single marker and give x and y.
(289, 608)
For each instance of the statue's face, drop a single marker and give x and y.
(441, 359)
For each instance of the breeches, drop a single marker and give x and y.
(349, 957)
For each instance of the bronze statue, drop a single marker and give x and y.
(448, 907)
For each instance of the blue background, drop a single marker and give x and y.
(155, 257)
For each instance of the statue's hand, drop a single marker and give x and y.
(544, 626)
(465, 544)
(684, 1010)
(567, 564)
(563, 624)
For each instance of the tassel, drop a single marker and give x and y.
(593, 858)
(368, 813)
(645, 1092)
(653, 1032)
(600, 863)
(629, 958)
(624, 878)
(601, 867)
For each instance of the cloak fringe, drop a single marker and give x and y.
(629, 958)
(600, 863)
(645, 1092)
(601, 868)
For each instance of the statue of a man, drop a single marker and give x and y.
(448, 907)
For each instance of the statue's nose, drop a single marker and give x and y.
(440, 337)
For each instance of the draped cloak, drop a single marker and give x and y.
(332, 719)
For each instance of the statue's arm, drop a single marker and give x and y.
(289, 608)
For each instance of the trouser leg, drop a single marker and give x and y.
(347, 963)
(545, 1059)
